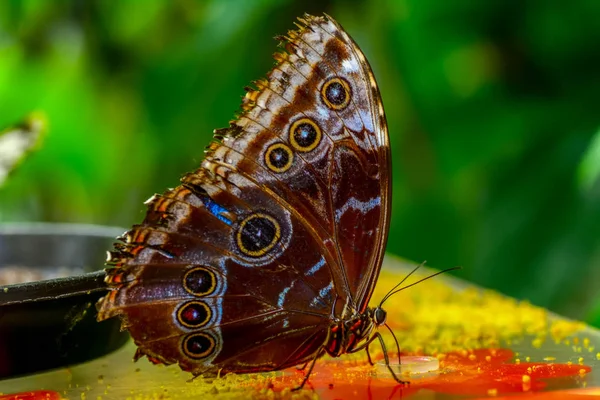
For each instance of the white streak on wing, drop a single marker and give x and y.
(283, 293)
(326, 289)
(322, 293)
(316, 267)
(356, 204)
(367, 119)
(286, 323)
(349, 66)
(323, 112)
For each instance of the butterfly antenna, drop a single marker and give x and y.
(395, 340)
(401, 282)
(419, 281)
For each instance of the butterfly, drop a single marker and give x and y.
(266, 257)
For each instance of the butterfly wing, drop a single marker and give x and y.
(242, 266)
(342, 185)
(361, 181)
(190, 291)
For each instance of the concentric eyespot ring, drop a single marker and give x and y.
(199, 281)
(279, 157)
(305, 135)
(336, 93)
(194, 314)
(198, 345)
(257, 234)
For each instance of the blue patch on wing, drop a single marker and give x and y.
(216, 210)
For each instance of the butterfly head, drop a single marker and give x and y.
(379, 316)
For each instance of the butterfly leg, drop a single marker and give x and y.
(369, 356)
(302, 368)
(318, 354)
(396, 341)
(365, 346)
(387, 359)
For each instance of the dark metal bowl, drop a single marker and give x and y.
(52, 323)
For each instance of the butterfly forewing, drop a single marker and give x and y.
(247, 265)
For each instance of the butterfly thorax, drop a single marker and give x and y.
(351, 334)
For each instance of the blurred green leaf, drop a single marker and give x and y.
(589, 168)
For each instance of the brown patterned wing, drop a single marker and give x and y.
(324, 147)
(196, 288)
(283, 227)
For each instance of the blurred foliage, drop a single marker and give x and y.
(492, 106)
(17, 142)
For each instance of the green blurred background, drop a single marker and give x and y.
(493, 110)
